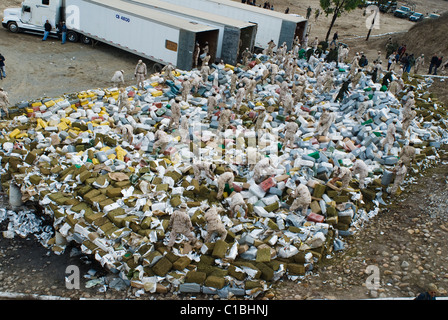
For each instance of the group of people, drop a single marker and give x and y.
(61, 28)
(309, 11)
(291, 71)
(399, 60)
(266, 4)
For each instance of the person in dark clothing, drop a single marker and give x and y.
(309, 53)
(437, 65)
(374, 75)
(404, 61)
(430, 294)
(433, 63)
(363, 61)
(344, 89)
(47, 28)
(2, 67)
(287, 10)
(411, 62)
(387, 79)
(335, 38)
(308, 13)
(332, 56)
(402, 51)
(62, 31)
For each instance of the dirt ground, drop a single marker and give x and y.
(408, 241)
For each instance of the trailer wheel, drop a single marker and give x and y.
(157, 68)
(72, 36)
(12, 26)
(86, 40)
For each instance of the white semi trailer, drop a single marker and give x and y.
(234, 35)
(272, 25)
(148, 33)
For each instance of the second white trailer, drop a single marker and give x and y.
(272, 25)
(234, 35)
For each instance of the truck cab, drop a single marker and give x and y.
(32, 16)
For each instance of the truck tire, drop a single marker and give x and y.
(72, 36)
(86, 40)
(157, 68)
(12, 26)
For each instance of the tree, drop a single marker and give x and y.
(337, 8)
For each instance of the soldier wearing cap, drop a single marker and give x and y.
(205, 72)
(122, 99)
(263, 168)
(360, 167)
(284, 89)
(400, 173)
(344, 174)
(187, 85)
(325, 121)
(236, 203)
(290, 131)
(180, 223)
(140, 73)
(118, 77)
(212, 103)
(214, 224)
(407, 154)
(161, 139)
(302, 198)
(288, 103)
(233, 81)
(167, 72)
(252, 85)
(225, 178)
(175, 112)
(197, 51)
(128, 133)
(224, 119)
(274, 71)
(407, 119)
(362, 108)
(260, 119)
(183, 131)
(240, 94)
(204, 166)
(390, 136)
(270, 48)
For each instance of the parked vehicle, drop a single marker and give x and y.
(432, 16)
(366, 3)
(416, 17)
(390, 6)
(272, 25)
(403, 12)
(234, 35)
(148, 33)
